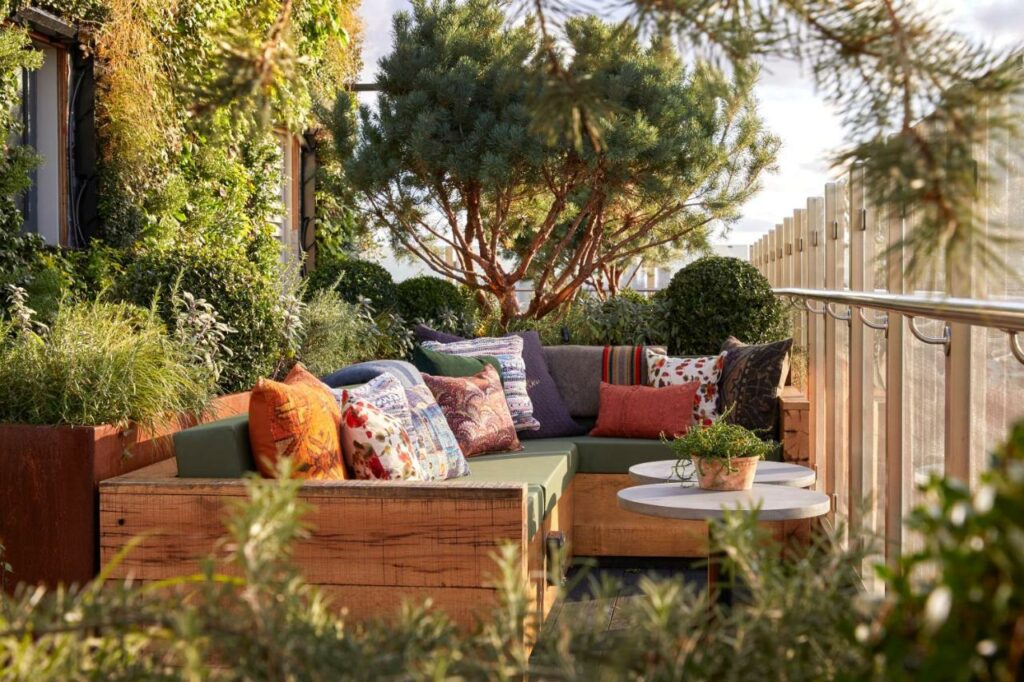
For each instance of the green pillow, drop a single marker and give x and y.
(440, 364)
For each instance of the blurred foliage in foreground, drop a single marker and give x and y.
(800, 618)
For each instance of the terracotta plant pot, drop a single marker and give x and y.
(714, 474)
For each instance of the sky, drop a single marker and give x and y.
(808, 128)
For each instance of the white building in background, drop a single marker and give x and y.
(645, 278)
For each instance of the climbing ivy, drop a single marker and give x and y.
(191, 98)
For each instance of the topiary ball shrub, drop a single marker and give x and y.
(355, 280)
(244, 298)
(438, 301)
(715, 297)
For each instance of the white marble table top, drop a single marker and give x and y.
(672, 500)
(776, 473)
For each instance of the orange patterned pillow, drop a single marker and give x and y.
(296, 419)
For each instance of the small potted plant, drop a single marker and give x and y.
(724, 456)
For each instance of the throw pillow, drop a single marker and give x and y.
(476, 411)
(447, 365)
(385, 392)
(362, 372)
(424, 333)
(752, 379)
(667, 371)
(509, 352)
(645, 412)
(436, 447)
(549, 408)
(376, 446)
(297, 421)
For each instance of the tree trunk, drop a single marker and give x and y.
(509, 306)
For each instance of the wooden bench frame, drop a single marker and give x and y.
(375, 544)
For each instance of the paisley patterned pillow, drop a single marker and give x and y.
(438, 451)
(376, 446)
(476, 411)
(666, 371)
(509, 352)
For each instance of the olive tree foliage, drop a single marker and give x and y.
(915, 96)
(451, 157)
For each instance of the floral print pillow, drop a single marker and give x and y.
(376, 446)
(666, 371)
(476, 411)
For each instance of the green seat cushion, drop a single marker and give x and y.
(440, 364)
(616, 455)
(218, 449)
(550, 464)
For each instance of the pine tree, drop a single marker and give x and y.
(452, 158)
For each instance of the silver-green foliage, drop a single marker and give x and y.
(98, 363)
(335, 332)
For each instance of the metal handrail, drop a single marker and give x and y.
(1005, 315)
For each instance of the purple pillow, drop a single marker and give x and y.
(548, 407)
(424, 333)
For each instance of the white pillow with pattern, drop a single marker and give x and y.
(664, 371)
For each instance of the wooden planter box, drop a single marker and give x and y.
(49, 478)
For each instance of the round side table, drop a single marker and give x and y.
(775, 473)
(674, 501)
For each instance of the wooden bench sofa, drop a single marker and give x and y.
(375, 544)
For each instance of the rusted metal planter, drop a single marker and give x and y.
(49, 499)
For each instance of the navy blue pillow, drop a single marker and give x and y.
(548, 407)
(362, 372)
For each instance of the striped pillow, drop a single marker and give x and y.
(509, 352)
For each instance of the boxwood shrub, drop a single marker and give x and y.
(354, 279)
(715, 297)
(244, 298)
(438, 301)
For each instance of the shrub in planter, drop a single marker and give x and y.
(93, 396)
(98, 363)
(355, 280)
(245, 300)
(715, 297)
(437, 301)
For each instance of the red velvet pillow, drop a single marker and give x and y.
(645, 411)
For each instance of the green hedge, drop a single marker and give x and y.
(715, 297)
(245, 299)
(436, 301)
(355, 280)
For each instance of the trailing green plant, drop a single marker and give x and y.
(719, 440)
(17, 251)
(97, 363)
(438, 302)
(335, 333)
(356, 280)
(715, 297)
(245, 299)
